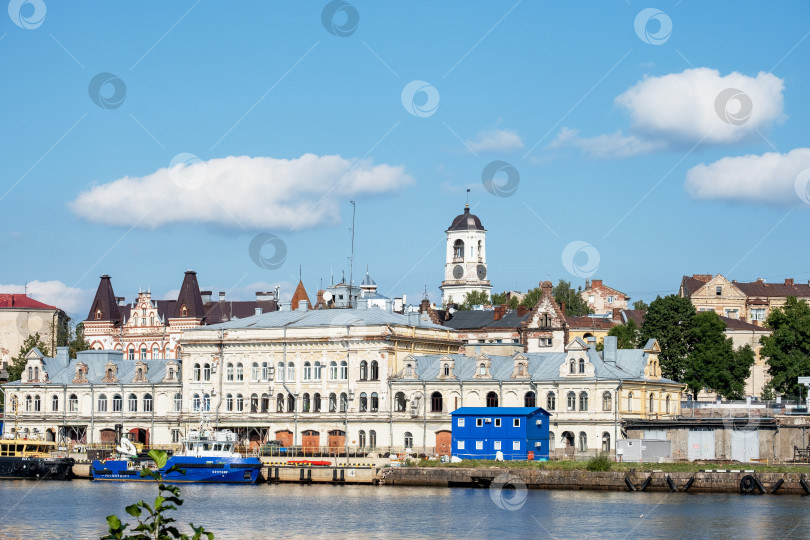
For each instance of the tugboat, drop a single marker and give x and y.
(207, 457)
(27, 459)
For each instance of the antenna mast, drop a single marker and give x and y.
(351, 259)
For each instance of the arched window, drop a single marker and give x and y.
(480, 250)
(363, 402)
(363, 370)
(155, 352)
(607, 401)
(375, 402)
(28, 401)
(316, 403)
(240, 372)
(55, 403)
(102, 403)
(229, 402)
(178, 402)
(265, 403)
(265, 371)
(606, 442)
(306, 405)
(178, 352)
(36, 373)
(332, 402)
(206, 403)
(521, 370)
(668, 404)
(344, 370)
(572, 366)
(408, 370)
(307, 371)
(344, 402)
(143, 352)
(372, 439)
(254, 402)
(583, 401)
(492, 399)
(482, 369)
(572, 401)
(458, 249)
(446, 370)
(229, 372)
(147, 403)
(652, 402)
(131, 352)
(583, 442)
(197, 372)
(333, 371)
(30, 373)
(630, 402)
(280, 403)
(375, 370)
(552, 443)
(436, 402)
(408, 440)
(551, 401)
(399, 402)
(361, 439)
(118, 403)
(73, 403)
(254, 371)
(280, 371)
(317, 373)
(240, 403)
(530, 400)
(207, 372)
(582, 365)
(290, 371)
(290, 403)
(195, 403)
(132, 403)
(37, 403)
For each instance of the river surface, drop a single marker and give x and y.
(78, 508)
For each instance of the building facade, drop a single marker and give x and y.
(511, 433)
(601, 299)
(22, 317)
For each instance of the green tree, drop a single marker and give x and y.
(628, 335)
(474, 298)
(17, 365)
(499, 299)
(712, 361)
(788, 347)
(531, 298)
(641, 305)
(575, 305)
(77, 342)
(670, 321)
(153, 521)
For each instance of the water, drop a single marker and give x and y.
(78, 509)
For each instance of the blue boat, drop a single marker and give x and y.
(206, 457)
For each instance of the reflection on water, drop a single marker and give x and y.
(78, 509)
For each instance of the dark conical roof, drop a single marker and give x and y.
(190, 298)
(466, 222)
(104, 302)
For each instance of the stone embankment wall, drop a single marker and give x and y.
(693, 482)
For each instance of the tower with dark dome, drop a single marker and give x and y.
(465, 268)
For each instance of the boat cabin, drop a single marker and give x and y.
(25, 448)
(210, 443)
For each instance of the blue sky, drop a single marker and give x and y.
(634, 166)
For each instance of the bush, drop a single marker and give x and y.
(599, 463)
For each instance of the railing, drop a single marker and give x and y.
(331, 451)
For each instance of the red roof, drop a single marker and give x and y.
(21, 301)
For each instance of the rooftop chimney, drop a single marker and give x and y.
(120, 300)
(610, 350)
(221, 296)
(205, 296)
(789, 281)
(591, 342)
(499, 313)
(286, 306)
(258, 311)
(522, 310)
(617, 315)
(302, 305)
(596, 283)
(265, 296)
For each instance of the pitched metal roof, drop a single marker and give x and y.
(104, 301)
(473, 319)
(22, 301)
(190, 298)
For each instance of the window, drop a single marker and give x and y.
(240, 403)
(118, 403)
(280, 374)
(606, 442)
(254, 372)
(521, 371)
(458, 249)
(317, 373)
(758, 314)
(28, 403)
(583, 401)
(399, 402)
(408, 440)
(229, 372)
(280, 403)
(229, 402)
(607, 401)
(436, 402)
(290, 403)
(240, 372)
(307, 403)
(344, 402)
(147, 403)
(375, 402)
(460, 422)
(733, 313)
(668, 403)
(630, 402)
(372, 439)
(178, 352)
(254, 403)
(196, 373)
(316, 403)
(572, 401)
(583, 441)
(363, 402)
(307, 371)
(37, 403)
(375, 370)
(492, 399)
(290, 371)
(479, 422)
(363, 370)
(652, 402)
(175, 436)
(344, 370)
(178, 402)
(155, 352)
(55, 403)
(143, 352)
(207, 372)
(131, 353)
(529, 400)
(102, 403)
(332, 402)
(497, 445)
(195, 403)
(516, 422)
(265, 371)
(515, 445)
(461, 445)
(497, 422)
(479, 445)
(333, 371)
(446, 370)
(582, 365)
(551, 401)
(361, 439)
(265, 403)
(73, 403)
(132, 403)
(551, 442)
(482, 369)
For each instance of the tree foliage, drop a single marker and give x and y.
(474, 298)
(17, 365)
(788, 347)
(153, 521)
(531, 298)
(641, 305)
(669, 320)
(499, 299)
(77, 342)
(628, 335)
(575, 305)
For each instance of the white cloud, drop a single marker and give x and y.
(772, 177)
(55, 293)
(496, 140)
(243, 191)
(679, 110)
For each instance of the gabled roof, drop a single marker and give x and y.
(690, 284)
(635, 315)
(763, 289)
(22, 301)
(190, 298)
(475, 319)
(104, 302)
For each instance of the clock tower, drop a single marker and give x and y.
(465, 267)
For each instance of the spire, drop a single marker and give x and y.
(189, 301)
(300, 294)
(104, 307)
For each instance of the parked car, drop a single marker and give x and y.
(272, 448)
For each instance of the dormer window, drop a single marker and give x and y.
(572, 366)
(184, 311)
(98, 314)
(408, 370)
(140, 372)
(521, 371)
(482, 369)
(582, 365)
(81, 373)
(446, 370)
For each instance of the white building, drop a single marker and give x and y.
(465, 268)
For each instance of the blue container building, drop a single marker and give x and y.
(520, 433)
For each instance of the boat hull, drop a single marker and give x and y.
(30, 468)
(197, 470)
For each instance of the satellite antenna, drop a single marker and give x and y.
(327, 297)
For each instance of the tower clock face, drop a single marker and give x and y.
(458, 271)
(482, 271)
